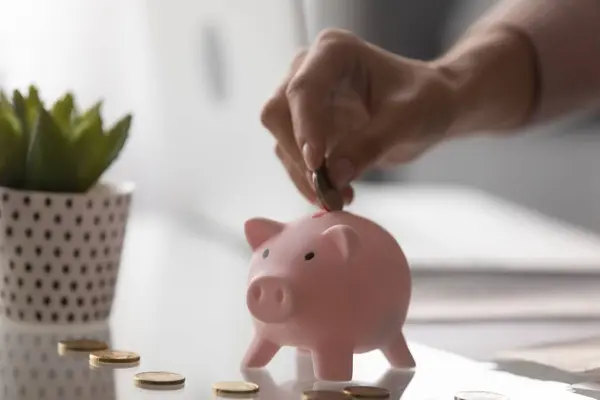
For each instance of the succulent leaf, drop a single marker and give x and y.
(20, 110)
(4, 100)
(109, 147)
(12, 149)
(56, 150)
(32, 106)
(62, 112)
(89, 145)
(50, 165)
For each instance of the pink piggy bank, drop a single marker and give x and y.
(334, 284)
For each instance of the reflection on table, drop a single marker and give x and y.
(32, 368)
(396, 381)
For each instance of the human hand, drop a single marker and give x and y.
(356, 106)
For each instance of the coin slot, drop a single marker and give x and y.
(319, 214)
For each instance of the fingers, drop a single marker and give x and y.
(355, 153)
(303, 183)
(296, 175)
(348, 194)
(276, 116)
(309, 93)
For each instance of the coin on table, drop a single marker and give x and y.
(367, 392)
(479, 395)
(327, 194)
(324, 395)
(235, 387)
(81, 345)
(159, 380)
(114, 357)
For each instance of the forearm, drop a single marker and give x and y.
(495, 76)
(526, 61)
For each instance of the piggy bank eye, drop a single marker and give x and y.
(265, 253)
(309, 256)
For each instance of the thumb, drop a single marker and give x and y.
(355, 153)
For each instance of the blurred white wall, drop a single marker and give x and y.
(222, 159)
(99, 50)
(194, 72)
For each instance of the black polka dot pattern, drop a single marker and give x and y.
(60, 255)
(31, 368)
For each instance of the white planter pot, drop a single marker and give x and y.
(31, 367)
(60, 253)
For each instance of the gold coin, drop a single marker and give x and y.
(101, 365)
(81, 345)
(324, 395)
(159, 378)
(235, 387)
(367, 392)
(479, 395)
(327, 194)
(114, 357)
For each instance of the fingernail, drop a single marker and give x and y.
(310, 157)
(309, 178)
(341, 172)
(348, 195)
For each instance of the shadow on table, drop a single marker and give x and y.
(542, 372)
(592, 394)
(536, 371)
(32, 368)
(396, 381)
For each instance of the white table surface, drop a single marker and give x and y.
(180, 304)
(459, 228)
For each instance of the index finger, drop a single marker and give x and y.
(310, 92)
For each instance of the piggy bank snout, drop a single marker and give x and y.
(270, 299)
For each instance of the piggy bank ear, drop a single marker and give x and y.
(343, 238)
(259, 230)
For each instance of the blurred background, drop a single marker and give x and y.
(196, 73)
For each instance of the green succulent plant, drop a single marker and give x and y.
(57, 149)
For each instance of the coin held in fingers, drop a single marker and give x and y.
(329, 197)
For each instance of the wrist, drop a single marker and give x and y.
(493, 73)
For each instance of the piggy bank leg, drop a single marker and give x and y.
(260, 353)
(333, 362)
(398, 354)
